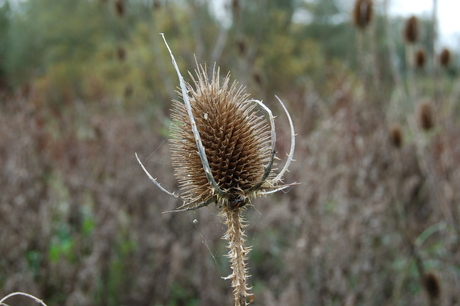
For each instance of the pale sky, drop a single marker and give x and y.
(448, 16)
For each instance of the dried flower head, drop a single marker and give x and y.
(432, 286)
(223, 150)
(120, 8)
(236, 139)
(121, 53)
(411, 30)
(362, 13)
(420, 58)
(396, 136)
(241, 44)
(426, 115)
(444, 57)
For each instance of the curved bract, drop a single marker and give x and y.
(222, 145)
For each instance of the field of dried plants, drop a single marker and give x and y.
(375, 219)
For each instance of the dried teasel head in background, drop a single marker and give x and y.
(444, 57)
(432, 286)
(396, 136)
(120, 8)
(236, 10)
(426, 114)
(257, 78)
(241, 45)
(411, 30)
(121, 53)
(420, 58)
(362, 13)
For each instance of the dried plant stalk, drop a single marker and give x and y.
(223, 150)
(237, 255)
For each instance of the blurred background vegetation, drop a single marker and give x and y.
(85, 84)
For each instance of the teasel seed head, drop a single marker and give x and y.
(396, 136)
(411, 30)
(236, 139)
(362, 13)
(241, 44)
(121, 53)
(432, 286)
(420, 58)
(444, 57)
(120, 8)
(223, 151)
(426, 115)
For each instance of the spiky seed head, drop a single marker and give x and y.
(426, 115)
(444, 57)
(411, 30)
(396, 136)
(362, 13)
(432, 286)
(420, 58)
(235, 137)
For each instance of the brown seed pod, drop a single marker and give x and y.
(411, 30)
(241, 44)
(432, 286)
(426, 115)
(362, 13)
(257, 78)
(120, 8)
(396, 136)
(420, 58)
(444, 57)
(223, 150)
(235, 137)
(121, 53)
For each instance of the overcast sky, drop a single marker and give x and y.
(448, 16)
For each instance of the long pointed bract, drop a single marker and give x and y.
(291, 152)
(199, 144)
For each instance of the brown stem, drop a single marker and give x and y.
(238, 255)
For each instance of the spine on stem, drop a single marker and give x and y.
(238, 255)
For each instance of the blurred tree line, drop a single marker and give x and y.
(81, 81)
(88, 48)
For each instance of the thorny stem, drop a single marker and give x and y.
(238, 255)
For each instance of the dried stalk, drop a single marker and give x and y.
(222, 151)
(237, 255)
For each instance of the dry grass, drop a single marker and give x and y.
(375, 222)
(347, 234)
